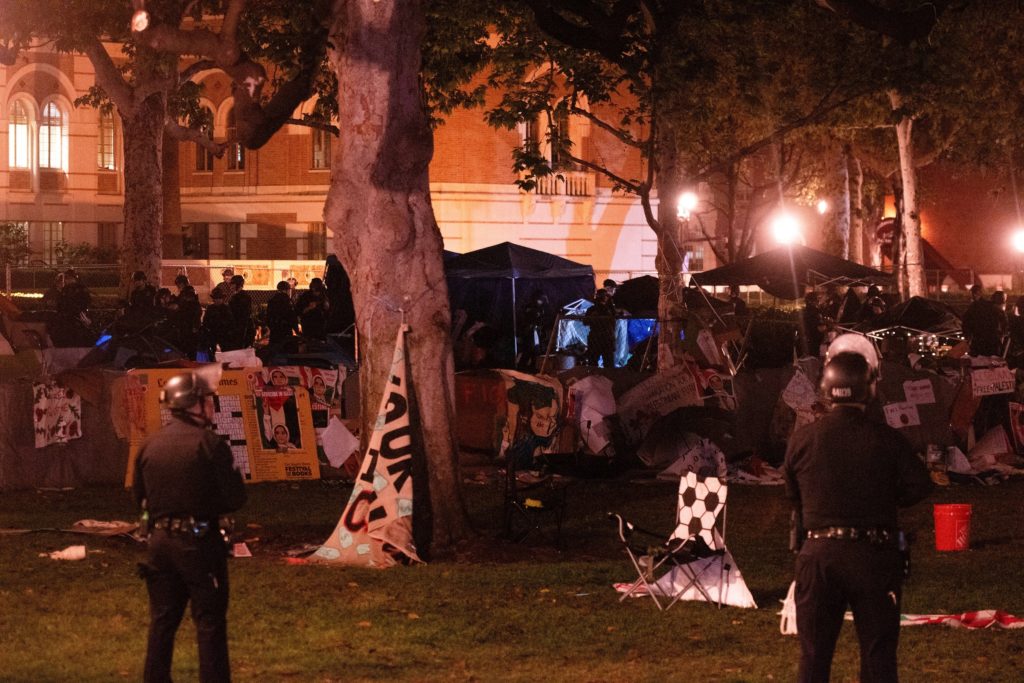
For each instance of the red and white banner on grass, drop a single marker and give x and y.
(376, 528)
(985, 618)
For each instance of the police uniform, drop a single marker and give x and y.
(846, 477)
(185, 475)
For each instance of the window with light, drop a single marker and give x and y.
(321, 149)
(53, 138)
(204, 157)
(105, 153)
(19, 136)
(235, 153)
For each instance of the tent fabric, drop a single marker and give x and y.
(99, 457)
(919, 314)
(787, 271)
(493, 286)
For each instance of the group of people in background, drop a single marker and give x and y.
(825, 311)
(229, 321)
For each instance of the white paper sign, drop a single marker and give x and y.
(991, 381)
(899, 415)
(919, 391)
(800, 393)
(641, 406)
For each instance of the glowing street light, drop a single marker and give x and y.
(140, 21)
(823, 206)
(687, 204)
(1018, 240)
(786, 229)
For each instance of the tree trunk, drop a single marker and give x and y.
(669, 259)
(839, 215)
(143, 188)
(911, 219)
(171, 232)
(856, 206)
(385, 234)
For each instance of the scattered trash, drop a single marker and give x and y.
(72, 552)
(240, 550)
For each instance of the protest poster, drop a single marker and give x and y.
(919, 391)
(992, 381)
(641, 406)
(899, 415)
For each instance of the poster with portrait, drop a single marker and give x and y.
(323, 386)
(532, 419)
(238, 416)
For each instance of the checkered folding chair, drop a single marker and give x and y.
(696, 539)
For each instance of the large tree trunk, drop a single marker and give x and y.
(838, 217)
(143, 188)
(385, 234)
(911, 219)
(856, 206)
(669, 259)
(171, 230)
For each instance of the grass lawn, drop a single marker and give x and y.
(496, 611)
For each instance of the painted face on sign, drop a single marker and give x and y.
(543, 420)
(320, 389)
(280, 435)
(278, 378)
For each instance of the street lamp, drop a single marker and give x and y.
(687, 205)
(823, 206)
(786, 229)
(1017, 240)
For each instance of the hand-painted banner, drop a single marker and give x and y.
(375, 530)
(990, 381)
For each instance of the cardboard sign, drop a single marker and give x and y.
(641, 406)
(270, 432)
(992, 381)
(919, 391)
(899, 415)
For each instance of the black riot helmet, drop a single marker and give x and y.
(848, 378)
(183, 391)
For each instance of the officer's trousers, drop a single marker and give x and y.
(180, 569)
(831, 574)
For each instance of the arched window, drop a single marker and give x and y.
(235, 153)
(53, 135)
(19, 136)
(204, 157)
(105, 152)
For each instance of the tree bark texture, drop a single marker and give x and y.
(669, 259)
(386, 236)
(837, 219)
(911, 218)
(143, 129)
(171, 231)
(856, 185)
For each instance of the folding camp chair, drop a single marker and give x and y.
(534, 505)
(685, 554)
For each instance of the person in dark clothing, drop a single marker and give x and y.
(141, 294)
(218, 327)
(846, 476)
(240, 304)
(536, 322)
(180, 283)
(312, 310)
(281, 318)
(874, 305)
(224, 287)
(341, 312)
(71, 321)
(185, 320)
(184, 481)
(849, 308)
(813, 326)
(600, 318)
(739, 306)
(984, 325)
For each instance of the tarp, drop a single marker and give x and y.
(918, 315)
(493, 285)
(787, 271)
(639, 296)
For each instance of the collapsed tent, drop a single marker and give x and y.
(917, 315)
(492, 285)
(786, 272)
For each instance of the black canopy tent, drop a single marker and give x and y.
(787, 271)
(489, 284)
(918, 316)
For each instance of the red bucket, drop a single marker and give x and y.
(952, 527)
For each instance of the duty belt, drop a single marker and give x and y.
(849, 533)
(191, 526)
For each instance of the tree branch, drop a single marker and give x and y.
(318, 125)
(197, 67)
(618, 133)
(182, 134)
(109, 77)
(608, 44)
(628, 185)
(904, 27)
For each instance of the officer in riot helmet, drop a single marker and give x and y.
(185, 482)
(846, 476)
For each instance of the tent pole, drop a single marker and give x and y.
(515, 326)
(551, 344)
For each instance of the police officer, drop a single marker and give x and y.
(185, 480)
(846, 476)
